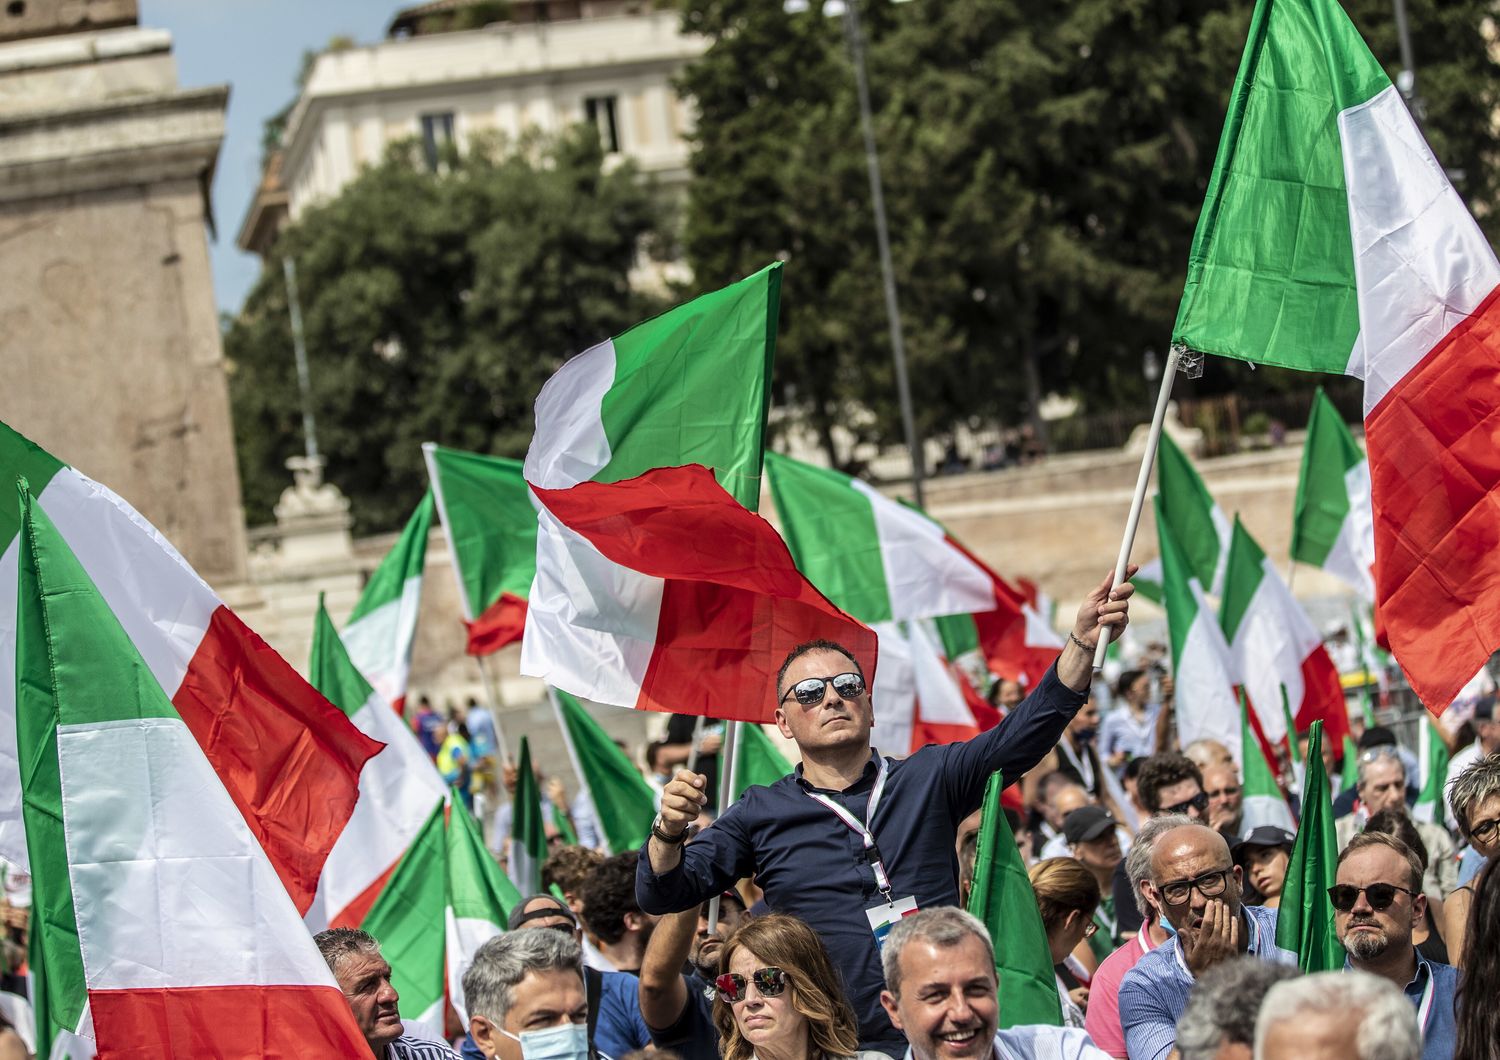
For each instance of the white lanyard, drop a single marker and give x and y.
(872, 852)
(1424, 1007)
(1081, 763)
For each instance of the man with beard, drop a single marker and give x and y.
(677, 1005)
(1377, 900)
(1198, 887)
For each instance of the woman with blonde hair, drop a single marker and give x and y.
(1067, 896)
(777, 996)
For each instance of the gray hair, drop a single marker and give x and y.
(490, 980)
(1473, 786)
(1385, 1018)
(1224, 1003)
(942, 926)
(1382, 753)
(337, 945)
(1138, 861)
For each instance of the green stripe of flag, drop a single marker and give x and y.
(623, 801)
(490, 523)
(330, 669)
(1271, 269)
(1322, 504)
(759, 760)
(406, 559)
(22, 459)
(1304, 923)
(1199, 527)
(478, 888)
(690, 387)
(528, 834)
(408, 919)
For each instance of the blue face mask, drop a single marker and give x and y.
(570, 1041)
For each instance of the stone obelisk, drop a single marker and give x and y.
(109, 339)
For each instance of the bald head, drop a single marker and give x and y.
(1186, 862)
(1063, 800)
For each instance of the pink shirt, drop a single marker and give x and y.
(1103, 1019)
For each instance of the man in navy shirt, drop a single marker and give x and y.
(850, 841)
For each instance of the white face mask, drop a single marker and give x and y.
(570, 1041)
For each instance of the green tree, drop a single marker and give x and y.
(434, 307)
(1043, 164)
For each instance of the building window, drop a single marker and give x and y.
(599, 111)
(437, 134)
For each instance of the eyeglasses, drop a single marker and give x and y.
(1092, 927)
(1484, 830)
(1209, 885)
(1223, 793)
(1379, 895)
(1198, 802)
(809, 690)
(769, 982)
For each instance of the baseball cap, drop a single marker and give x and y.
(1087, 822)
(1266, 835)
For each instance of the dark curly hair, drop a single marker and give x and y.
(1162, 771)
(608, 895)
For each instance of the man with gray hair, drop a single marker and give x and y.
(1219, 1021)
(1318, 1017)
(941, 992)
(526, 997)
(1382, 786)
(1103, 1018)
(353, 956)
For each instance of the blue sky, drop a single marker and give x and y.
(256, 46)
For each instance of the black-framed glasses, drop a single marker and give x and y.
(1198, 802)
(1209, 885)
(809, 690)
(1484, 830)
(769, 982)
(1379, 895)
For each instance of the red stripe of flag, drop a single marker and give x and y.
(229, 1022)
(502, 623)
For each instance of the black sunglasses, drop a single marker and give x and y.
(1198, 802)
(730, 986)
(1379, 895)
(809, 690)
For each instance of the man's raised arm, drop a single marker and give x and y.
(672, 874)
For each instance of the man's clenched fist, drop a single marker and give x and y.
(682, 800)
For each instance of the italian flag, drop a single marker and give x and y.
(409, 918)
(624, 803)
(1199, 525)
(490, 524)
(1331, 241)
(480, 899)
(757, 760)
(380, 632)
(923, 697)
(1275, 648)
(289, 760)
(1264, 802)
(656, 587)
(161, 928)
(528, 833)
(1332, 524)
(1432, 755)
(883, 561)
(398, 789)
(699, 599)
(1201, 660)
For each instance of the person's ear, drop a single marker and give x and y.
(1418, 908)
(892, 1009)
(1239, 877)
(781, 725)
(483, 1033)
(632, 921)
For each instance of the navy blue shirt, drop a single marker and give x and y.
(813, 867)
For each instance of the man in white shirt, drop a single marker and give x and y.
(940, 992)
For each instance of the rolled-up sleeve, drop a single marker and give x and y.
(1149, 1025)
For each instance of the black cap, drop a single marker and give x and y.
(1266, 835)
(1376, 736)
(1087, 822)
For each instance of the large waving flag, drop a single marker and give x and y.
(1201, 661)
(408, 917)
(490, 523)
(1275, 647)
(380, 632)
(697, 599)
(288, 758)
(1199, 525)
(884, 561)
(623, 802)
(1332, 524)
(160, 928)
(398, 789)
(1330, 240)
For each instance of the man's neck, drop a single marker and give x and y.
(1397, 964)
(834, 769)
(625, 955)
(1156, 933)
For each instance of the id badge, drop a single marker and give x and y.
(884, 916)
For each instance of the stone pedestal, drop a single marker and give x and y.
(108, 329)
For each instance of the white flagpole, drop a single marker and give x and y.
(1148, 458)
(697, 738)
(729, 755)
